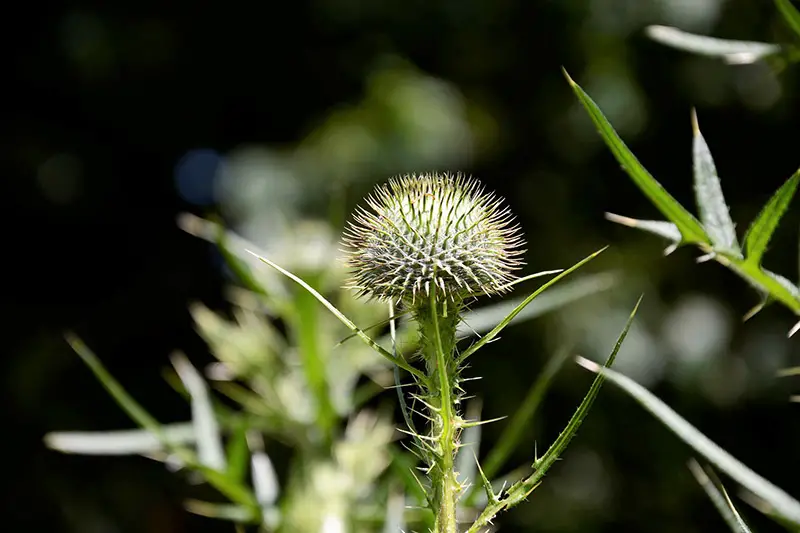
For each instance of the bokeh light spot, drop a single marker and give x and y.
(195, 174)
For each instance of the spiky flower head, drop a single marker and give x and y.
(438, 232)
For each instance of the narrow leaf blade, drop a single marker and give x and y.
(690, 228)
(666, 230)
(218, 480)
(265, 480)
(518, 309)
(521, 489)
(784, 504)
(483, 319)
(237, 452)
(719, 497)
(790, 14)
(762, 228)
(209, 439)
(122, 442)
(731, 51)
(342, 318)
(710, 202)
(220, 511)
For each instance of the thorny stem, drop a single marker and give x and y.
(438, 327)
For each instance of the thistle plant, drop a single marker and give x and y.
(302, 388)
(428, 243)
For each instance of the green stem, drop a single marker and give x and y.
(438, 328)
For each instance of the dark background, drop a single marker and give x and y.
(107, 99)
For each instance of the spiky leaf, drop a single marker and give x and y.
(710, 202)
(690, 228)
(762, 228)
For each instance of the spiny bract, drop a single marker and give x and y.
(432, 230)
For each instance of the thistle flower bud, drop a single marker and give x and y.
(432, 232)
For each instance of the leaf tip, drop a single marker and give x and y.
(624, 221)
(567, 76)
(794, 329)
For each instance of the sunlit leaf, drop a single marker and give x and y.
(784, 504)
(209, 439)
(690, 228)
(265, 480)
(667, 230)
(123, 442)
(762, 228)
(710, 202)
(731, 51)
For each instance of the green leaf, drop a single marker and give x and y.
(234, 250)
(690, 228)
(209, 440)
(521, 489)
(304, 327)
(764, 281)
(483, 319)
(731, 51)
(218, 480)
(719, 497)
(762, 228)
(343, 319)
(237, 452)
(518, 309)
(790, 14)
(710, 202)
(784, 504)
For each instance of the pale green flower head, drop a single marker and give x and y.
(427, 232)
